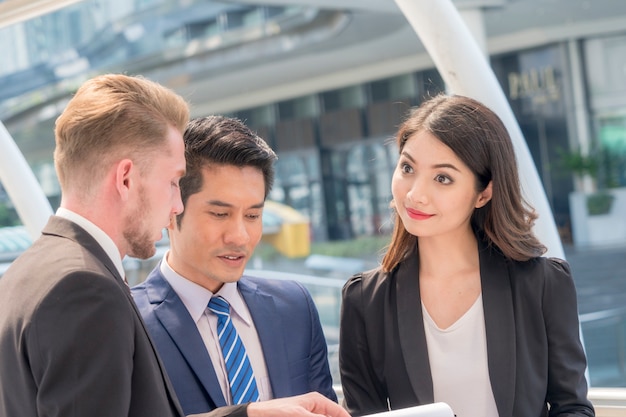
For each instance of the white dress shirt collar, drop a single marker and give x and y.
(98, 234)
(196, 298)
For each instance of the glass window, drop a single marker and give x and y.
(258, 116)
(605, 60)
(297, 108)
(344, 98)
(393, 88)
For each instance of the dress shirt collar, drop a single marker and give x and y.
(98, 234)
(196, 298)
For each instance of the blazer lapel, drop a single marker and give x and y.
(62, 227)
(176, 320)
(411, 329)
(499, 326)
(271, 334)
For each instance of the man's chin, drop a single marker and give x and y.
(143, 253)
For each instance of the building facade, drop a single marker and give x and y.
(327, 88)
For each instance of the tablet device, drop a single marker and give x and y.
(428, 410)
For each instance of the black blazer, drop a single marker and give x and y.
(72, 342)
(535, 356)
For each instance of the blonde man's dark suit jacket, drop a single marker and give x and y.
(535, 355)
(72, 342)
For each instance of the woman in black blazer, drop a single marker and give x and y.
(463, 308)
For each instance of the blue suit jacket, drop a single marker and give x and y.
(287, 323)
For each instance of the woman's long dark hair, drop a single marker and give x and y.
(480, 139)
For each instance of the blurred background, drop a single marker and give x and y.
(326, 83)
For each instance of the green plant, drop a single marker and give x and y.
(578, 163)
(599, 203)
(605, 166)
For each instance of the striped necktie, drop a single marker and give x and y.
(240, 376)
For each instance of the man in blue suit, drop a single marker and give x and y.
(230, 172)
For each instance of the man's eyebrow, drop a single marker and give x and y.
(221, 203)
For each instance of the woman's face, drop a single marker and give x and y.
(433, 190)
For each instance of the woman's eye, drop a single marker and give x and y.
(442, 179)
(406, 168)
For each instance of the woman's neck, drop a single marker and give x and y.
(443, 256)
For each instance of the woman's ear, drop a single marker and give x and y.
(484, 196)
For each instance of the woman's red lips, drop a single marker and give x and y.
(418, 215)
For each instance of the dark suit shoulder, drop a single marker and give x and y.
(367, 283)
(558, 264)
(56, 269)
(58, 256)
(540, 268)
(545, 280)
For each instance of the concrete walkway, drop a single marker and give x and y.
(600, 276)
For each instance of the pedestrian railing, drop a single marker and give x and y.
(604, 337)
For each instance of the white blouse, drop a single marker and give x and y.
(458, 363)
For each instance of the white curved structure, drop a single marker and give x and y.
(20, 183)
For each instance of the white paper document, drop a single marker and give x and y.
(428, 410)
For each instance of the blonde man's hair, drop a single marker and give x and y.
(112, 117)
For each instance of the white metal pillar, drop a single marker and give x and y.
(466, 71)
(21, 185)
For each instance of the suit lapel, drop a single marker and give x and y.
(62, 227)
(499, 326)
(176, 320)
(271, 334)
(411, 329)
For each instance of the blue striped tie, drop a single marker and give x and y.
(240, 376)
